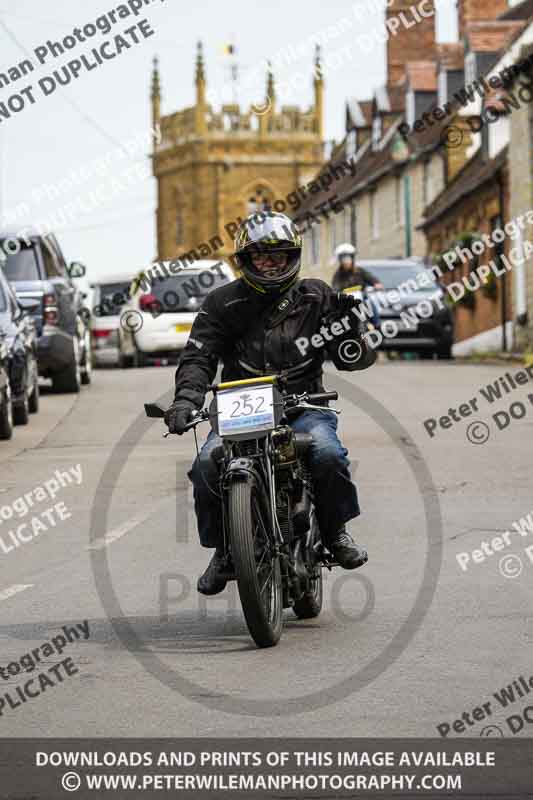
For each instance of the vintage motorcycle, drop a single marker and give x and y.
(272, 543)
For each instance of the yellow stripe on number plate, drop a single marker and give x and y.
(247, 382)
(183, 327)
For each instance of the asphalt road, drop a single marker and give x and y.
(407, 643)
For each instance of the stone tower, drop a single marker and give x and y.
(214, 167)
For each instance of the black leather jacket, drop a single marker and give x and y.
(256, 335)
(358, 276)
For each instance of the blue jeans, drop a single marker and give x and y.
(335, 494)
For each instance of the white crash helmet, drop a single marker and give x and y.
(345, 249)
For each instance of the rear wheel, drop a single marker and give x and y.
(256, 565)
(140, 359)
(34, 396)
(21, 410)
(69, 379)
(6, 415)
(309, 605)
(445, 353)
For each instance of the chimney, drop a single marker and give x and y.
(478, 11)
(411, 35)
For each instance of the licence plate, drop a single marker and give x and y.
(245, 410)
(183, 327)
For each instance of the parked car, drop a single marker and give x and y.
(36, 267)
(110, 295)
(158, 318)
(18, 331)
(413, 282)
(6, 409)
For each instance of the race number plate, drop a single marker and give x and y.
(245, 410)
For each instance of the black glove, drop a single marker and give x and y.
(178, 415)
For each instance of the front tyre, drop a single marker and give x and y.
(256, 565)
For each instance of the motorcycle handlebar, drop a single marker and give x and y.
(314, 398)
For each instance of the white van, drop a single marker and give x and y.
(110, 295)
(157, 321)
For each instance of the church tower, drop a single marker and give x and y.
(214, 167)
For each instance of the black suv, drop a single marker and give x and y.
(407, 282)
(35, 266)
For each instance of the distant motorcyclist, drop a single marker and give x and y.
(348, 273)
(267, 322)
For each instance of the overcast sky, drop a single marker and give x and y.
(110, 105)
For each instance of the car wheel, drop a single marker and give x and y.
(140, 358)
(6, 415)
(124, 361)
(426, 356)
(69, 379)
(87, 366)
(445, 353)
(21, 410)
(34, 397)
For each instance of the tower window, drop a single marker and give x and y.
(259, 201)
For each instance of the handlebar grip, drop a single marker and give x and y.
(313, 398)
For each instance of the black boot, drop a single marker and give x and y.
(212, 581)
(345, 551)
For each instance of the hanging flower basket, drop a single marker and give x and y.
(490, 287)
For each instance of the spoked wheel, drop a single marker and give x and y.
(256, 566)
(310, 604)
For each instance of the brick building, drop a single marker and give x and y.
(213, 167)
(455, 174)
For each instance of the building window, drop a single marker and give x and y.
(315, 245)
(351, 144)
(179, 227)
(410, 109)
(376, 131)
(259, 201)
(443, 87)
(427, 184)
(353, 224)
(470, 68)
(398, 204)
(374, 216)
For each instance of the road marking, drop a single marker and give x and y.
(119, 531)
(15, 589)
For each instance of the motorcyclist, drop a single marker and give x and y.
(349, 274)
(259, 325)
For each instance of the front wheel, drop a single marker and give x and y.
(256, 565)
